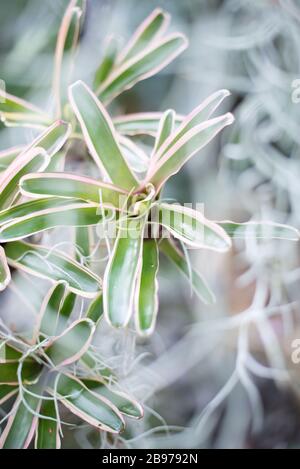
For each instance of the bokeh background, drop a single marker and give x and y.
(219, 376)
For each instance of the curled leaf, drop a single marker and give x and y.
(71, 344)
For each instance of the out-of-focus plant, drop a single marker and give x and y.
(57, 367)
(57, 364)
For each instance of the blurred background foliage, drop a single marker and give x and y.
(184, 372)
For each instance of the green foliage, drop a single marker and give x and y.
(58, 367)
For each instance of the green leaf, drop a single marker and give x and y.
(134, 155)
(6, 392)
(165, 129)
(66, 311)
(100, 135)
(259, 230)
(71, 344)
(55, 311)
(9, 371)
(89, 406)
(49, 315)
(8, 156)
(187, 146)
(122, 401)
(47, 431)
(152, 27)
(67, 39)
(5, 276)
(144, 65)
(53, 138)
(81, 214)
(199, 115)
(53, 265)
(33, 206)
(82, 243)
(191, 227)
(147, 286)
(146, 123)
(22, 422)
(9, 353)
(18, 112)
(198, 283)
(33, 160)
(95, 309)
(107, 63)
(121, 272)
(71, 185)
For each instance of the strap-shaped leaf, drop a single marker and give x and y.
(191, 142)
(95, 309)
(48, 317)
(66, 311)
(100, 135)
(191, 227)
(81, 214)
(72, 185)
(33, 160)
(33, 206)
(134, 155)
(146, 123)
(53, 138)
(4, 270)
(18, 112)
(199, 115)
(107, 62)
(122, 401)
(121, 272)
(67, 39)
(147, 287)
(165, 129)
(55, 311)
(9, 372)
(8, 156)
(22, 422)
(143, 65)
(49, 141)
(198, 283)
(71, 344)
(83, 243)
(153, 26)
(90, 407)
(259, 230)
(53, 265)
(47, 430)
(6, 392)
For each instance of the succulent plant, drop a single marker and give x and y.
(57, 366)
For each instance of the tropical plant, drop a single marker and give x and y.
(57, 363)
